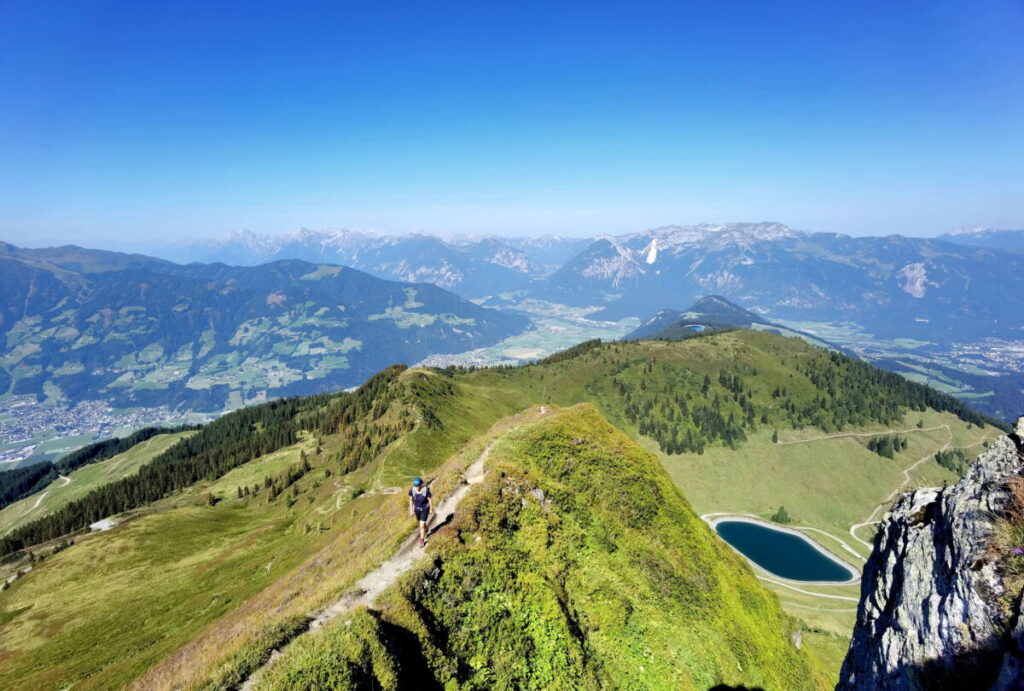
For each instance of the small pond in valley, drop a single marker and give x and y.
(783, 553)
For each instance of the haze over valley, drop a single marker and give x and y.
(278, 324)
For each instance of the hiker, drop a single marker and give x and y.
(420, 506)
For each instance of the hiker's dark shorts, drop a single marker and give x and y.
(422, 514)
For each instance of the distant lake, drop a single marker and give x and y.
(782, 553)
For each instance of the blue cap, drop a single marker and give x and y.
(416, 482)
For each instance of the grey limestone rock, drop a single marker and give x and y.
(933, 612)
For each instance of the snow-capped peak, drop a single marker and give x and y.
(971, 230)
(745, 234)
(652, 251)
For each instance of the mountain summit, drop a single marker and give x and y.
(712, 313)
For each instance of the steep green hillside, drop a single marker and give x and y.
(79, 483)
(577, 564)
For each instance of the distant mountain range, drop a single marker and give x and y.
(472, 266)
(894, 286)
(936, 289)
(137, 331)
(990, 238)
(945, 310)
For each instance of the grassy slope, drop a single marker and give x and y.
(607, 579)
(102, 612)
(272, 564)
(205, 583)
(84, 480)
(758, 476)
(827, 485)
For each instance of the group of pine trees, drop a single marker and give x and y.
(360, 424)
(887, 445)
(275, 486)
(215, 449)
(21, 482)
(954, 460)
(685, 412)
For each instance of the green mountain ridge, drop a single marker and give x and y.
(229, 541)
(576, 565)
(712, 313)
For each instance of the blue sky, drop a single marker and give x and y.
(135, 122)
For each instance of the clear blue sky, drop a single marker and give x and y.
(133, 121)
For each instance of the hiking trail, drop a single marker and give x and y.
(892, 495)
(870, 520)
(370, 586)
(841, 435)
(67, 481)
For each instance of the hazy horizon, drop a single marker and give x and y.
(129, 123)
(144, 245)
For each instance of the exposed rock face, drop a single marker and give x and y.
(934, 613)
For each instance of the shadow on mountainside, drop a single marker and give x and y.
(726, 687)
(414, 671)
(976, 668)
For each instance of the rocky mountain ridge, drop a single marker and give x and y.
(894, 286)
(476, 266)
(937, 610)
(984, 236)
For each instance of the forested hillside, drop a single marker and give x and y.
(660, 389)
(21, 482)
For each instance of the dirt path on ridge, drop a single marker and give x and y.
(371, 585)
(375, 582)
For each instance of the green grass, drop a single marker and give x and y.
(254, 472)
(105, 610)
(609, 581)
(84, 480)
(101, 613)
(828, 484)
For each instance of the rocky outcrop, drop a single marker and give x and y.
(934, 611)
